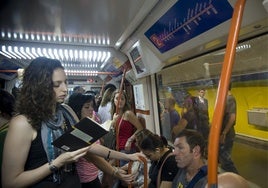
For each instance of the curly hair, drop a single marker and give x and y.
(37, 98)
(127, 104)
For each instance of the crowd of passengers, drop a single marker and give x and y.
(41, 113)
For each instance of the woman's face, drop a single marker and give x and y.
(122, 100)
(87, 110)
(59, 84)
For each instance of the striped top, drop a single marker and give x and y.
(87, 171)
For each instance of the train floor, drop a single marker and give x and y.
(252, 163)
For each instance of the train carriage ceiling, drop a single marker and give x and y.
(84, 34)
(92, 37)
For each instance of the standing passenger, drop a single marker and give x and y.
(202, 110)
(41, 119)
(126, 123)
(83, 106)
(189, 118)
(173, 116)
(105, 115)
(100, 97)
(105, 105)
(228, 134)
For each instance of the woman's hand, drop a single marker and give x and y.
(70, 157)
(128, 145)
(127, 178)
(115, 117)
(135, 156)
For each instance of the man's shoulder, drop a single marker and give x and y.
(201, 182)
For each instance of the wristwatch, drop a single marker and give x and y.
(52, 167)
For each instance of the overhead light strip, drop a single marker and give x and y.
(90, 59)
(101, 40)
(54, 53)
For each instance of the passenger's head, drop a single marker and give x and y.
(82, 104)
(44, 85)
(201, 92)
(42, 78)
(107, 96)
(151, 145)
(90, 92)
(109, 86)
(231, 180)
(188, 102)
(78, 89)
(169, 103)
(124, 104)
(7, 104)
(189, 146)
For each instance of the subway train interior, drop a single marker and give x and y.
(154, 49)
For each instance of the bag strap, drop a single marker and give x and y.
(201, 173)
(160, 170)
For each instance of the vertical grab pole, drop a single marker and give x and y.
(145, 171)
(121, 87)
(222, 92)
(117, 110)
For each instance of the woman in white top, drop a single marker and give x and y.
(105, 106)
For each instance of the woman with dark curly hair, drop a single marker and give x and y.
(29, 159)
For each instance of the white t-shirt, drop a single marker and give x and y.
(104, 112)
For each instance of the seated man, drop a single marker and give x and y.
(189, 154)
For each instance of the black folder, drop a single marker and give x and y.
(82, 134)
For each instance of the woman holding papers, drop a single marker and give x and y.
(83, 106)
(29, 158)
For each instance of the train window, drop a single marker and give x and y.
(249, 82)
